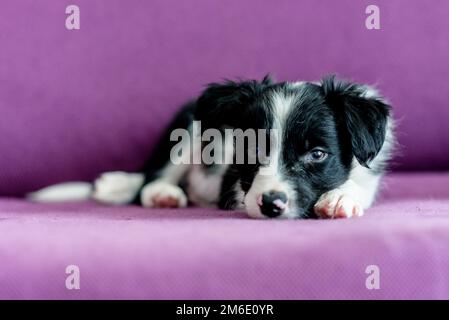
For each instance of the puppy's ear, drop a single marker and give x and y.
(225, 104)
(360, 114)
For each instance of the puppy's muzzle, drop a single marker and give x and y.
(272, 203)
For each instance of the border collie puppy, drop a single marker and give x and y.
(334, 140)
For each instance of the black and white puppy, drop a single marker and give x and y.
(333, 143)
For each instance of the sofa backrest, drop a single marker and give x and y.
(75, 103)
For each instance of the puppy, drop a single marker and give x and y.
(331, 146)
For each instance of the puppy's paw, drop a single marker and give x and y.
(335, 204)
(161, 194)
(117, 187)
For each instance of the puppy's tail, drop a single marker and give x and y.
(63, 192)
(113, 188)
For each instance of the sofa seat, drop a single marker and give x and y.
(132, 252)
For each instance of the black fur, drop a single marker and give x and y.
(231, 104)
(362, 120)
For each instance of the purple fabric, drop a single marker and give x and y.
(207, 254)
(77, 103)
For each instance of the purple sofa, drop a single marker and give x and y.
(75, 103)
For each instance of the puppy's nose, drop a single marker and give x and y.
(272, 203)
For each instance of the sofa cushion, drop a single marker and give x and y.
(75, 103)
(131, 252)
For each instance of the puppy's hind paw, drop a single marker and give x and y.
(117, 187)
(334, 204)
(161, 194)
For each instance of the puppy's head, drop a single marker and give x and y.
(314, 131)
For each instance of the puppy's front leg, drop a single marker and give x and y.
(164, 171)
(163, 190)
(351, 198)
(162, 194)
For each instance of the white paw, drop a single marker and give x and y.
(335, 204)
(117, 187)
(161, 194)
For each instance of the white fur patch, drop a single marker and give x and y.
(296, 84)
(117, 187)
(282, 105)
(204, 188)
(371, 92)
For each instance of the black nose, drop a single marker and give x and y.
(273, 203)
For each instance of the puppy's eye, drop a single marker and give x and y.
(316, 155)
